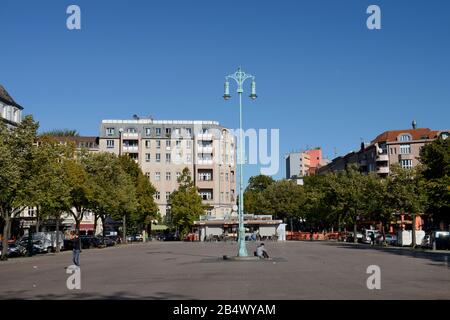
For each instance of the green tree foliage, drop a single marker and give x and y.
(16, 153)
(435, 158)
(283, 199)
(186, 204)
(113, 190)
(146, 209)
(253, 193)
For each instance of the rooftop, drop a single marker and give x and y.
(416, 134)
(6, 98)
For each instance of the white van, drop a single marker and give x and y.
(46, 241)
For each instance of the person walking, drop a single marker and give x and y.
(76, 246)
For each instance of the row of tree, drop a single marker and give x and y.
(345, 198)
(56, 179)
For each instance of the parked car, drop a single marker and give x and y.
(350, 237)
(45, 241)
(366, 237)
(170, 237)
(14, 250)
(89, 242)
(135, 238)
(106, 241)
(440, 240)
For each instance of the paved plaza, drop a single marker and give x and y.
(179, 270)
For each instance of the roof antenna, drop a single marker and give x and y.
(414, 124)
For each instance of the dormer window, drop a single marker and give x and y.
(405, 137)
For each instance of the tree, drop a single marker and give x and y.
(350, 189)
(435, 158)
(48, 191)
(112, 189)
(80, 189)
(283, 199)
(16, 152)
(253, 193)
(186, 204)
(407, 189)
(146, 209)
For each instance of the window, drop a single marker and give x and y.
(158, 132)
(221, 196)
(168, 143)
(406, 164)
(188, 158)
(147, 144)
(178, 174)
(226, 176)
(110, 131)
(148, 131)
(158, 157)
(188, 144)
(188, 132)
(147, 157)
(110, 144)
(227, 197)
(405, 137)
(147, 174)
(168, 176)
(157, 195)
(157, 176)
(168, 131)
(131, 130)
(206, 194)
(158, 144)
(405, 149)
(205, 175)
(168, 157)
(167, 195)
(178, 143)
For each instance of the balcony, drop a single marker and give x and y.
(205, 149)
(133, 149)
(128, 135)
(205, 162)
(205, 136)
(383, 170)
(383, 157)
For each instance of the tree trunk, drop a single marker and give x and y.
(77, 226)
(124, 228)
(413, 233)
(95, 224)
(38, 219)
(102, 217)
(6, 230)
(57, 234)
(355, 238)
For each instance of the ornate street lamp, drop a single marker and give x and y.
(240, 76)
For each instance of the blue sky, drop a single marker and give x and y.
(323, 78)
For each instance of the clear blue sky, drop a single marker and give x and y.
(323, 78)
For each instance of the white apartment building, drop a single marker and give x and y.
(10, 111)
(163, 148)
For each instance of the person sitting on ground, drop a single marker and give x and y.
(261, 252)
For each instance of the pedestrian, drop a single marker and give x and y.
(261, 252)
(372, 238)
(76, 246)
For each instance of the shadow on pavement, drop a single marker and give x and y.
(121, 295)
(439, 258)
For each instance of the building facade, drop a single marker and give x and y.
(304, 163)
(390, 147)
(10, 111)
(163, 148)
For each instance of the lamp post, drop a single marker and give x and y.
(240, 76)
